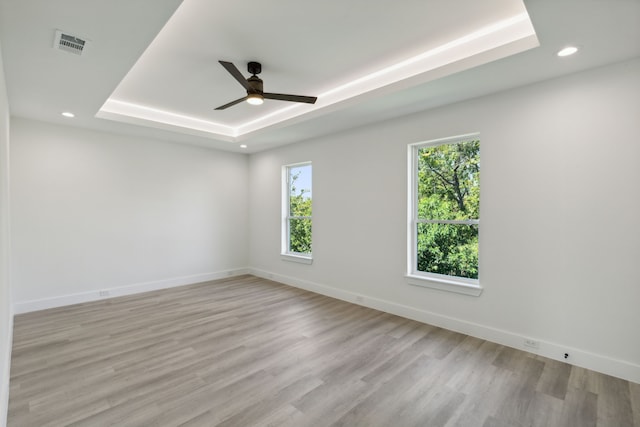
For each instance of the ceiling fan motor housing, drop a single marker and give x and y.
(256, 84)
(254, 68)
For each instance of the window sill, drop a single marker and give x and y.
(442, 284)
(301, 259)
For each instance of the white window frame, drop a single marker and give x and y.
(286, 254)
(461, 285)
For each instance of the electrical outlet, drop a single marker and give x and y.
(104, 293)
(528, 342)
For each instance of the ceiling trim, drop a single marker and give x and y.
(498, 40)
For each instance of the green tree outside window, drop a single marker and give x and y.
(299, 206)
(448, 209)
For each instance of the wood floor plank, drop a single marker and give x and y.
(580, 409)
(516, 406)
(544, 411)
(245, 351)
(554, 379)
(376, 408)
(272, 405)
(634, 394)
(400, 360)
(485, 395)
(496, 422)
(614, 402)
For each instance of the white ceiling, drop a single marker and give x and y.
(152, 65)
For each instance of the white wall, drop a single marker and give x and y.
(6, 314)
(560, 242)
(93, 210)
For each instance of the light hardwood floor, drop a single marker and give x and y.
(250, 352)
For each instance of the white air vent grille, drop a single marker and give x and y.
(69, 43)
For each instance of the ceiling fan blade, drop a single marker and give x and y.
(231, 104)
(233, 70)
(292, 98)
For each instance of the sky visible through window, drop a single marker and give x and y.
(303, 182)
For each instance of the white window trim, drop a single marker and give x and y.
(300, 259)
(459, 285)
(285, 254)
(444, 283)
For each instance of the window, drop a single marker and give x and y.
(297, 203)
(444, 212)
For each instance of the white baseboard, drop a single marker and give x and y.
(136, 288)
(585, 359)
(5, 371)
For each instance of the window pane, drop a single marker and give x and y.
(449, 181)
(300, 190)
(300, 236)
(450, 249)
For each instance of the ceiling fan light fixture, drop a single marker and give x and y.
(255, 99)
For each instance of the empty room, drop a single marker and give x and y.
(307, 214)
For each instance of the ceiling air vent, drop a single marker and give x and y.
(69, 43)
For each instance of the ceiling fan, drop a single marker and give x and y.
(253, 85)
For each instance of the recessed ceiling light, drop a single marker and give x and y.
(68, 114)
(243, 146)
(569, 50)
